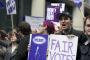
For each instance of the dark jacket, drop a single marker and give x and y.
(22, 50)
(81, 40)
(5, 43)
(3, 48)
(85, 52)
(9, 54)
(2, 52)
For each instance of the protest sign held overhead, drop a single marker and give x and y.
(38, 48)
(62, 47)
(2, 4)
(34, 21)
(78, 3)
(11, 7)
(53, 10)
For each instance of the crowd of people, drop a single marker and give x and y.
(14, 44)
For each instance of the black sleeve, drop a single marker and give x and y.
(82, 38)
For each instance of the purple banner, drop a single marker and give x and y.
(38, 47)
(53, 10)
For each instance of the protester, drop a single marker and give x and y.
(87, 26)
(24, 31)
(46, 28)
(85, 48)
(12, 49)
(66, 28)
(4, 44)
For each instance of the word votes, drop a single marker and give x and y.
(58, 56)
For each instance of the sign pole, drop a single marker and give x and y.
(11, 9)
(12, 21)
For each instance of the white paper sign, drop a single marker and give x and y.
(34, 21)
(11, 7)
(62, 47)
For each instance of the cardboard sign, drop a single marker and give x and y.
(11, 7)
(38, 47)
(62, 47)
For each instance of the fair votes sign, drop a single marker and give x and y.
(11, 7)
(62, 47)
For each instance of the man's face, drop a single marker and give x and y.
(65, 23)
(87, 27)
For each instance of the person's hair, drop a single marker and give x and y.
(66, 16)
(50, 26)
(87, 17)
(3, 34)
(24, 28)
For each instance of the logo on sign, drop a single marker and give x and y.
(39, 40)
(11, 6)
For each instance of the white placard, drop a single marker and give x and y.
(11, 7)
(34, 21)
(62, 47)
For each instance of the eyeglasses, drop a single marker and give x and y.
(88, 25)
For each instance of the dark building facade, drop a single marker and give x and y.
(23, 7)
